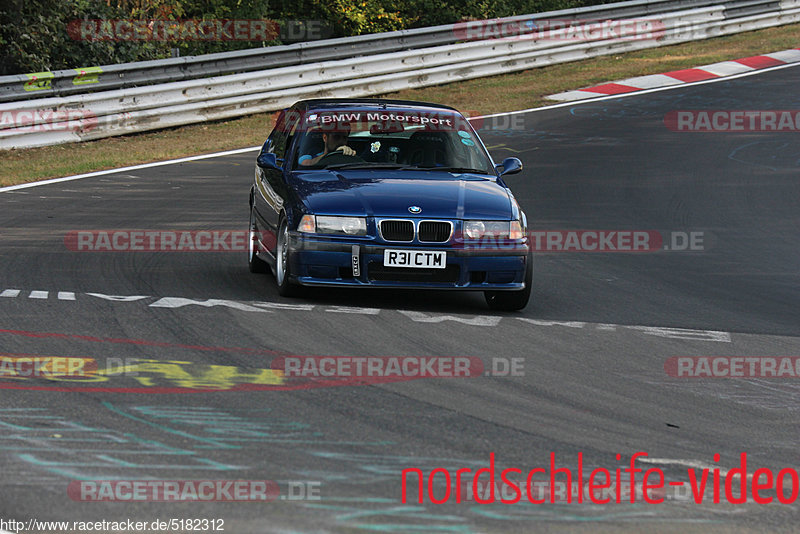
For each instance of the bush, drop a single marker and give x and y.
(34, 37)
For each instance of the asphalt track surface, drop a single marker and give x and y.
(594, 339)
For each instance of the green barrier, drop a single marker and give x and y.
(39, 81)
(87, 75)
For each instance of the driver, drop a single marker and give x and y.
(333, 141)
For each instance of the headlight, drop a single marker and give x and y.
(495, 229)
(474, 229)
(333, 225)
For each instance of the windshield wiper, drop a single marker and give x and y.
(456, 169)
(368, 165)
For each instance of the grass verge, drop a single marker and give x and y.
(522, 90)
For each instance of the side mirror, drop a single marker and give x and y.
(268, 160)
(509, 166)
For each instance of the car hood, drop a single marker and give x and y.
(390, 194)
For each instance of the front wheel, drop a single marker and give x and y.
(282, 267)
(512, 300)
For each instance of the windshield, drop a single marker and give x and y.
(407, 139)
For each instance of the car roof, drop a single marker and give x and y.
(361, 103)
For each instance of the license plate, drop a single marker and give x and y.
(420, 259)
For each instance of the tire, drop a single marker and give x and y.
(282, 264)
(512, 300)
(256, 264)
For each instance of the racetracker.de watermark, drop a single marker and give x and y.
(380, 368)
(606, 241)
(733, 120)
(262, 491)
(93, 30)
(160, 240)
(46, 120)
(48, 367)
(560, 30)
(733, 367)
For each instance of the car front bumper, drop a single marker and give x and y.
(320, 261)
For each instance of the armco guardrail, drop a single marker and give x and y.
(102, 114)
(103, 78)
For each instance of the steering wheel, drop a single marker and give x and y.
(336, 157)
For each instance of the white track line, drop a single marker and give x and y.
(530, 110)
(131, 168)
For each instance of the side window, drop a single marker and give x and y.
(292, 122)
(277, 139)
(280, 139)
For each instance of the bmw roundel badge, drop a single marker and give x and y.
(415, 209)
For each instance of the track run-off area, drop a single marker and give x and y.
(587, 371)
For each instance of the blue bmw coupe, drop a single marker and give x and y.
(386, 193)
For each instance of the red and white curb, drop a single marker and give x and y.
(678, 77)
